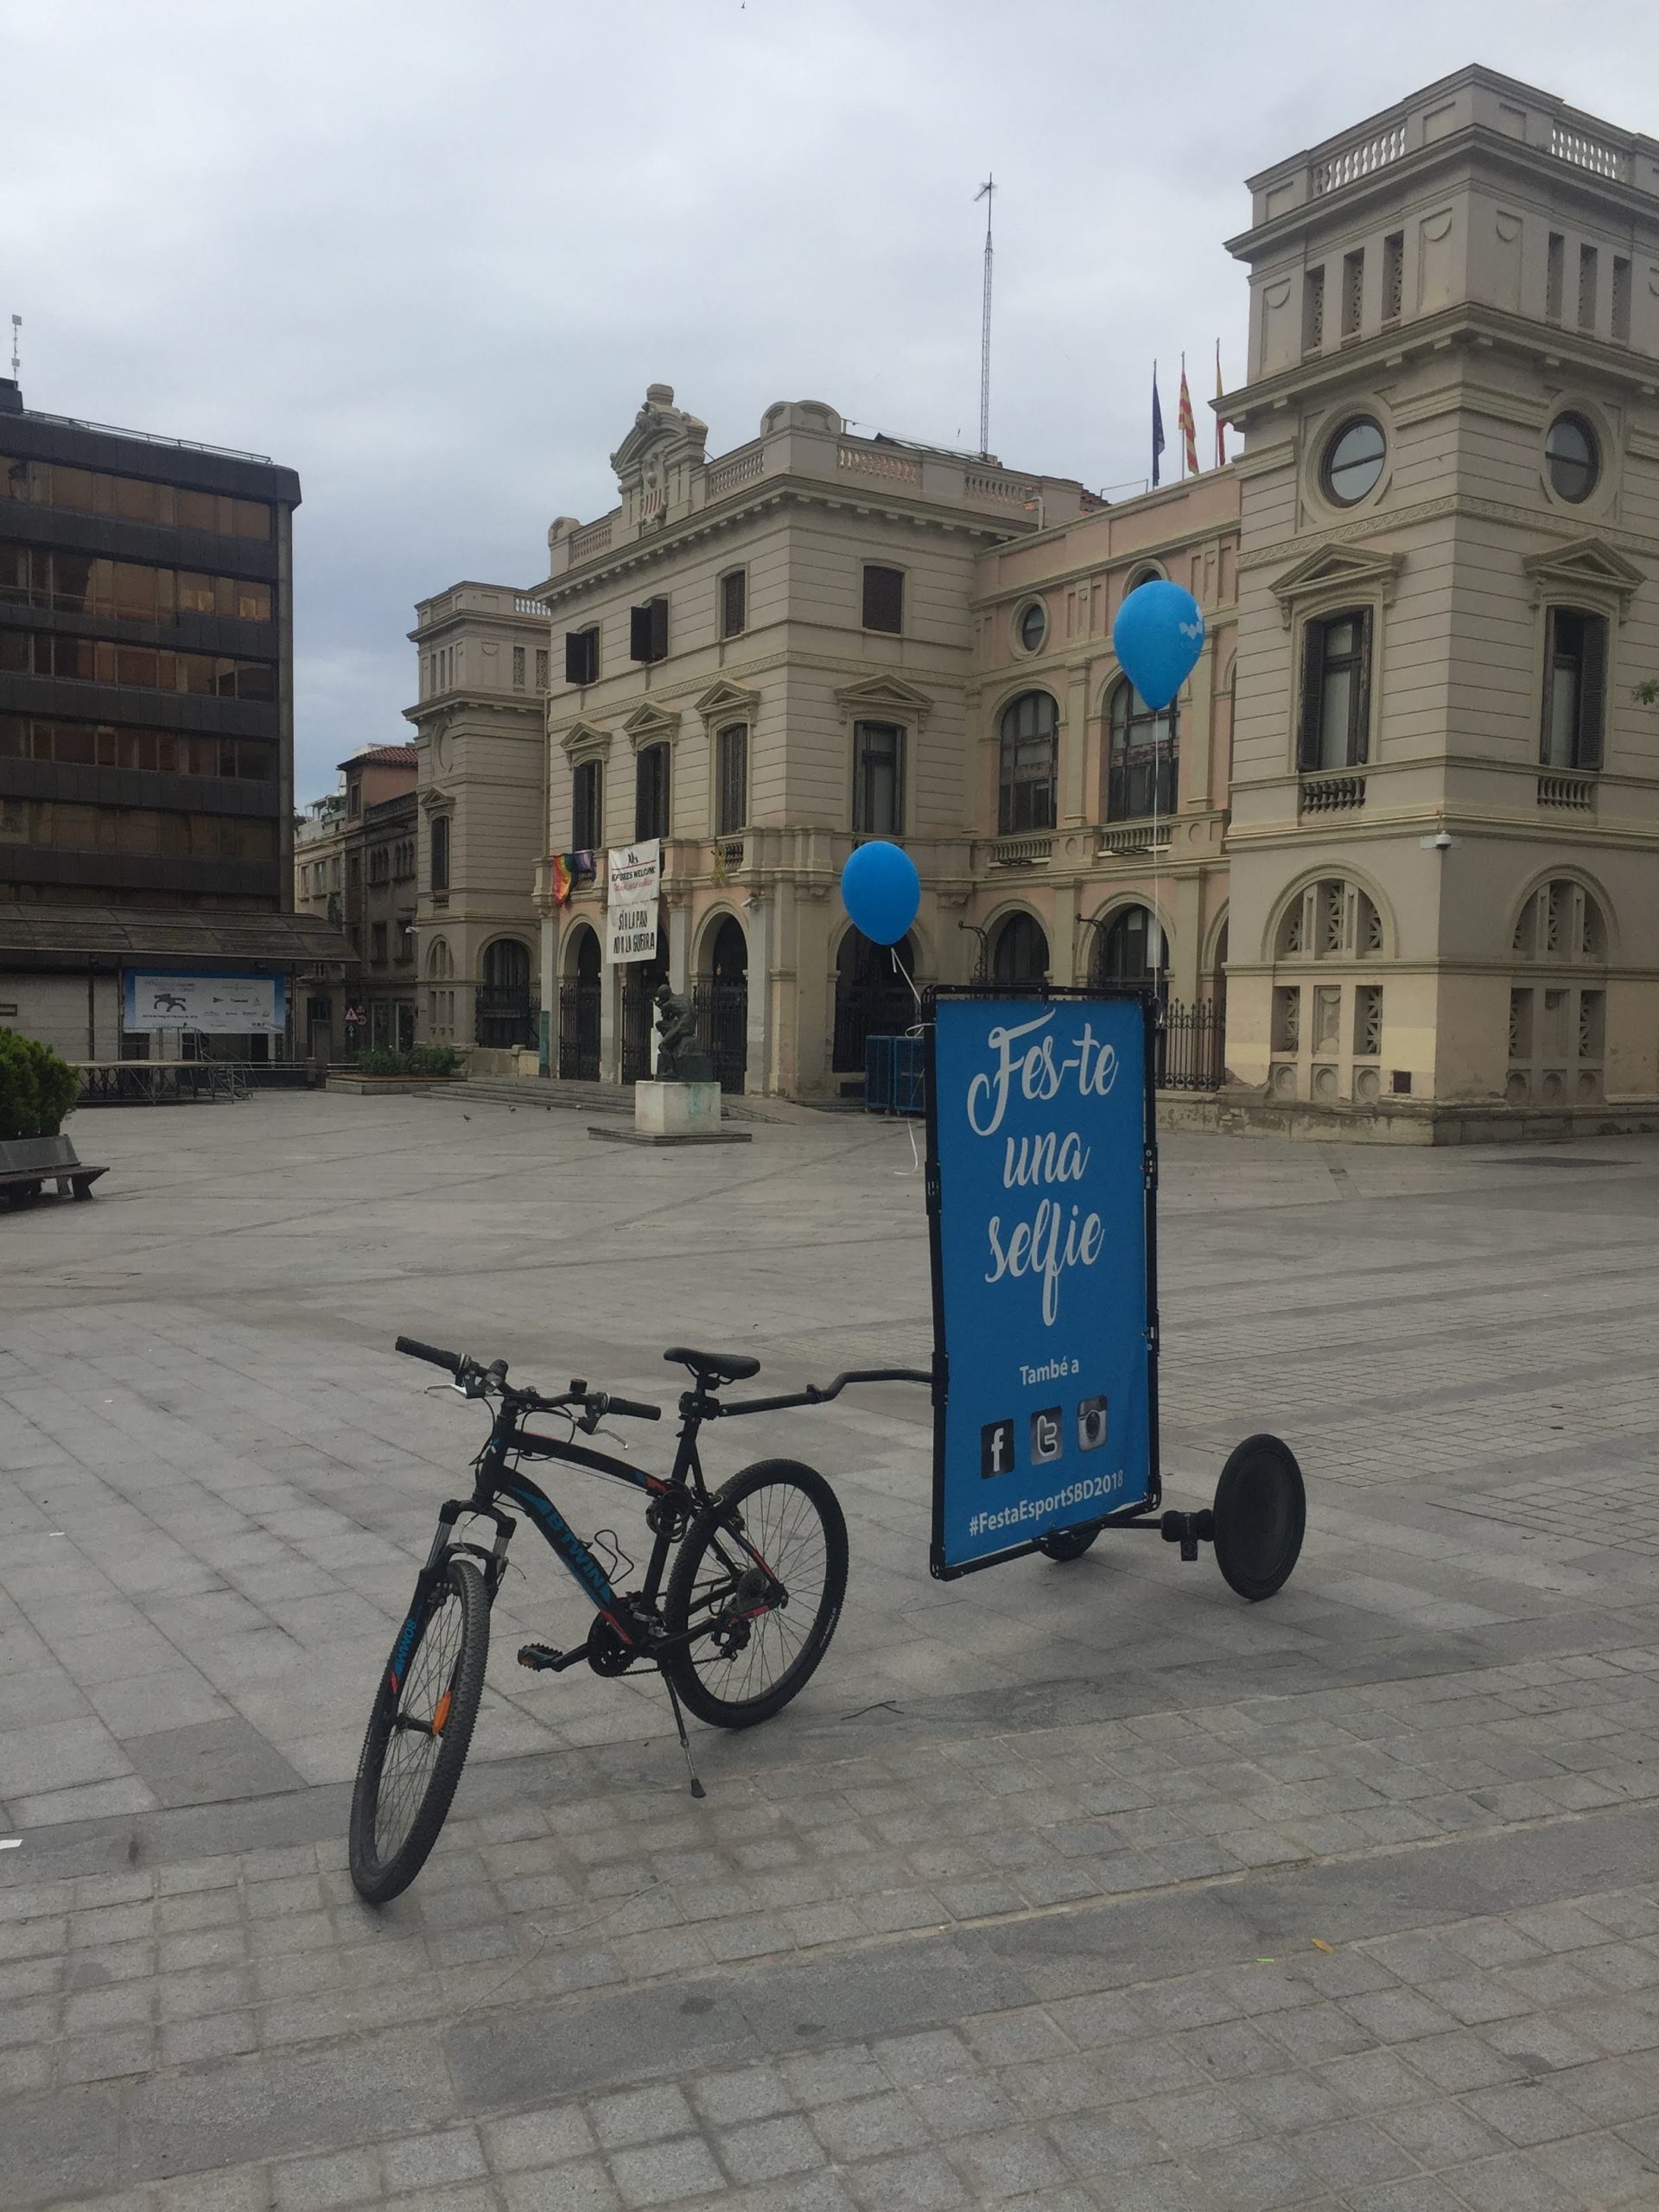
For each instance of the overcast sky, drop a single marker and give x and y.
(430, 255)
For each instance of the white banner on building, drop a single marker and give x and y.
(214, 1006)
(632, 883)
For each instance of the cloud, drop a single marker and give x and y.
(430, 256)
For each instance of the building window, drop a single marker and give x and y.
(1353, 461)
(1558, 1026)
(1621, 301)
(1312, 310)
(1130, 949)
(587, 806)
(884, 600)
(354, 798)
(1021, 952)
(581, 655)
(1575, 685)
(1393, 275)
(648, 631)
(1032, 627)
(1336, 691)
(1025, 781)
(1353, 292)
(378, 943)
(1574, 456)
(731, 780)
(1554, 270)
(517, 668)
(1586, 287)
(734, 603)
(1142, 774)
(1330, 920)
(651, 816)
(878, 778)
(440, 876)
(541, 668)
(440, 998)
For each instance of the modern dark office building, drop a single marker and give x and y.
(146, 745)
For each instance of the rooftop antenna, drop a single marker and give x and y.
(986, 193)
(17, 363)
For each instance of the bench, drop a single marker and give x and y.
(28, 1164)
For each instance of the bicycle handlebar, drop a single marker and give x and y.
(597, 1403)
(413, 1349)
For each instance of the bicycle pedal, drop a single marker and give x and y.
(538, 1657)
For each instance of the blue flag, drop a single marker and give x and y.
(1157, 424)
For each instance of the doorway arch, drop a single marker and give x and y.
(1131, 950)
(1021, 953)
(872, 998)
(579, 997)
(505, 1014)
(721, 1000)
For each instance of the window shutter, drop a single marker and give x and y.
(1592, 692)
(575, 657)
(1307, 733)
(640, 633)
(1359, 726)
(658, 613)
(1545, 704)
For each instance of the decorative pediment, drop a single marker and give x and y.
(584, 741)
(883, 698)
(1584, 565)
(662, 435)
(1337, 572)
(728, 703)
(651, 725)
(434, 800)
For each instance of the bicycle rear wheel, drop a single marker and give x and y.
(418, 1735)
(778, 1525)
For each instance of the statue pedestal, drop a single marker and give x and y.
(674, 1113)
(675, 1109)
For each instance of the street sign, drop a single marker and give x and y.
(1041, 1182)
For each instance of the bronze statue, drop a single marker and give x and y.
(680, 1058)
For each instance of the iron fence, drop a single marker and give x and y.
(579, 1030)
(722, 1012)
(1193, 1045)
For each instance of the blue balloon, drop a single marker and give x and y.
(881, 891)
(1158, 637)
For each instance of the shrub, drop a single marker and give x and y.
(419, 1059)
(37, 1089)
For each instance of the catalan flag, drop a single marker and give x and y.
(1188, 429)
(1221, 428)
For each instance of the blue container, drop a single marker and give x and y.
(895, 1076)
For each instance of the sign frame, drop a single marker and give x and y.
(643, 860)
(1038, 993)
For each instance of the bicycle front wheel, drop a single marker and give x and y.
(758, 1584)
(418, 1734)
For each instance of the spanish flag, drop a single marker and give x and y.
(1188, 429)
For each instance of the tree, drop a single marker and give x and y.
(1647, 695)
(37, 1088)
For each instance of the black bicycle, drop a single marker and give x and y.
(735, 1625)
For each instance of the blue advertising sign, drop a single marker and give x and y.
(1041, 1189)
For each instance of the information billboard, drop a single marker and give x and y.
(1042, 1171)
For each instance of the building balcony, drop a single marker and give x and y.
(1577, 793)
(1023, 852)
(1127, 840)
(1329, 794)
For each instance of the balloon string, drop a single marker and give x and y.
(899, 969)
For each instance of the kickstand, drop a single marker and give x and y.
(697, 1789)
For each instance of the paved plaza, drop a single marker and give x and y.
(1058, 1887)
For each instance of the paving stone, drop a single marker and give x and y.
(764, 2149)
(536, 2138)
(662, 2172)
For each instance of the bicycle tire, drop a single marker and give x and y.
(450, 1687)
(782, 1527)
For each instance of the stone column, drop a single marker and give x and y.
(759, 927)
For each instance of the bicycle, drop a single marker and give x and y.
(769, 1542)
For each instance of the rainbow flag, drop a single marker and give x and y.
(564, 881)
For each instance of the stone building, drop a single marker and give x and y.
(1400, 833)
(354, 865)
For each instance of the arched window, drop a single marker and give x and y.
(1131, 950)
(1021, 955)
(504, 1015)
(873, 997)
(506, 966)
(1141, 777)
(1329, 921)
(440, 997)
(440, 835)
(1025, 784)
(1558, 1021)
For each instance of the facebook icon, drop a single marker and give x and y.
(997, 1448)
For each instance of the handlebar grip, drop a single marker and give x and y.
(635, 1411)
(413, 1349)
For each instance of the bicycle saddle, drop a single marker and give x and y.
(715, 1366)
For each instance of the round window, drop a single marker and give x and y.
(1353, 461)
(1032, 625)
(1574, 456)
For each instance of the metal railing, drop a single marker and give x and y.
(1193, 1045)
